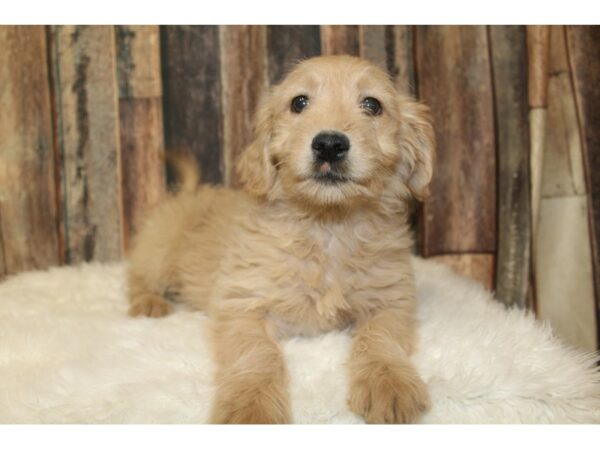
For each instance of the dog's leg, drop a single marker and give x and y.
(251, 377)
(384, 385)
(143, 301)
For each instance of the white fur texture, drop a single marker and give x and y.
(70, 354)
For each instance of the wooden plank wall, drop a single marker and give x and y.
(244, 78)
(565, 291)
(28, 192)
(584, 62)
(88, 112)
(459, 219)
(85, 102)
(509, 69)
(191, 74)
(140, 122)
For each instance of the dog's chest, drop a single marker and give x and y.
(308, 280)
(322, 273)
(335, 255)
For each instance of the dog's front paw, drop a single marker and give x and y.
(386, 394)
(150, 306)
(251, 407)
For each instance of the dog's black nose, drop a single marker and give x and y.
(330, 147)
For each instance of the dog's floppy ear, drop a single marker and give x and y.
(254, 168)
(418, 148)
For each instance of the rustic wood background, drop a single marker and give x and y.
(86, 113)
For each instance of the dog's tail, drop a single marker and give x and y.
(185, 170)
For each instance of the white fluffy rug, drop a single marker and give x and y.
(69, 354)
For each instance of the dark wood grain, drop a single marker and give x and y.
(244, 80)
(28, 210)
(455, 81)
(372, 44)
(141, 123)
(289, 44)
(85, 95)
(138, 61)
(340, 40)
(191, 76)
(509, 62)
(399, 43)
(584, 56)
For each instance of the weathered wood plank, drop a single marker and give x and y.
(478, 266)
(455, 81)
(372, 44)
(288, 44)
(509, 62)
(192, 95)
(537, 143)
(558, 61)
(584, 60)
(400, 53)
(565, 292)
(563, 173)
(244, 81)
(538, 49)
(141, 122)
(28, 207)
(340, 40)
(538, 53)
(142, 155)
(138, 61)
(85, 86)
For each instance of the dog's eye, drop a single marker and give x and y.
(299, 103)
(371, 105)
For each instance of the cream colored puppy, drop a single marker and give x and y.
(317, 241)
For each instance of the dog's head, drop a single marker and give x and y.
(337, 132)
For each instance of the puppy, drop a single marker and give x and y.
(317, 241)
